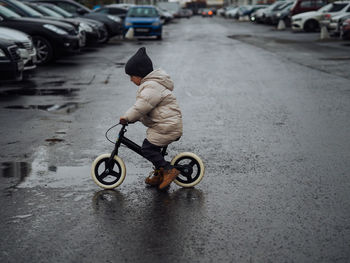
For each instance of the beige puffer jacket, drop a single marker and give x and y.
(156, 107)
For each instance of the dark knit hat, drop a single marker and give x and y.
(139, 64)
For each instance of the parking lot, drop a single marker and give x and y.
(266, 110)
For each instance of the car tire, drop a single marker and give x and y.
(311, 26)
(105, 38)
(44, 50)
(159, 37)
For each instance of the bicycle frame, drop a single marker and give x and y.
(128, 143)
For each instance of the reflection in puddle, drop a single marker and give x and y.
(66, 107)
(39, 92)
(16, 172)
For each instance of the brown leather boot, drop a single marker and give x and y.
(155, 178)
(168, 177)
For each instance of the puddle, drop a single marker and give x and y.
(14, 172)
(39, 92)
(67, 107)
(42, 173)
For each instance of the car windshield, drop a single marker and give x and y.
(337, 7)
(59, 10)
(142, 12)
(325, 8)
(48, 12)
(27, 9)
(5, 12)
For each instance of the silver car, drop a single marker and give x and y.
(24, 43)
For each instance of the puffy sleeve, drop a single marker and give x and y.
(148, 98)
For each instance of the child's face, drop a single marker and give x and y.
(136, 80)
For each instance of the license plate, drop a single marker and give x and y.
(141, 30)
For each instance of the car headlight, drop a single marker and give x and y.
(114, 18)
(55, 29)
(296, 19)
(128, 24)
(278, 14)
(86, 27)
(156, 23)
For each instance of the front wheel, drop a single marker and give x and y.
(191, 168)
(44, 50)
(108, 176)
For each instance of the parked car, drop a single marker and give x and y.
(273, 15)
(310, 21)
(113, 9)
(206, 12)
(185, 13)
(249, 10)
(345, 30)
(26, 9)
(258, 15)
(232, 12)
(302, 6)
(145, 21)
(284, 15)
(102, 34)
(51, 39)
(11, 63)
(165, 16)
(267, 12)
(339, 10)
(341, 20)
(24, 43)
(113, 24)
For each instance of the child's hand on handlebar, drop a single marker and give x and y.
(123, 120)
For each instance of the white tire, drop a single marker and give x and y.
(193, 171)
(105, 178)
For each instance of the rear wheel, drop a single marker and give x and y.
(311, 26)
(191, 168)
(44, 50)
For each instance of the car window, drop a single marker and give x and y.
(27, 9)
(68, 7)
(348, 10)
(49, 12)
(142, 12)
(325, 8)
(117, 11)
(5, 12)
(320, 3)
(102, 10)
(59, 10)
(337, 7)
(306, 4)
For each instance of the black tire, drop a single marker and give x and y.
(105, 36)
(192, 170)
(311, 26)
(159, 37)
(44, 50)
(105, 178)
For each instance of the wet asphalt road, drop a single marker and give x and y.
(267, 111)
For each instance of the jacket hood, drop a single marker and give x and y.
(161, 77)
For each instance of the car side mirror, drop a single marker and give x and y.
(81, 11)
(1, 19)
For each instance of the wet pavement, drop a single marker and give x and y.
(267, 111)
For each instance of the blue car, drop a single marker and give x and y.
(145, 20)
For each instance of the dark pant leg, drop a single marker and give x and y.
(153, 153)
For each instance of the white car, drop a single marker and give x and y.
(309, 21)
(333, 18)
(24, 43)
